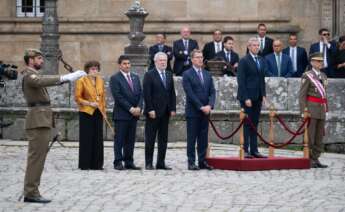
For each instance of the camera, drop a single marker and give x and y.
(9, 71)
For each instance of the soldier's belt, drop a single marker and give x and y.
(316, 100)
(36, 104)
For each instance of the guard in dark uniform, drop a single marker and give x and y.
(313, 98)
(39, 119)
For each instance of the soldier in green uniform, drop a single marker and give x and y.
(313, 99)
(39, 119)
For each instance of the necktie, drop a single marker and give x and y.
(257, 62)
(164, 80)
(228, 56)
(278, 64)
(200, 77)
(325, 65)
(293, 56)
(160, 48)
(261, 44)
(186, 44)
(130, 83)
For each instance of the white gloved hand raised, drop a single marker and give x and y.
(73, 76)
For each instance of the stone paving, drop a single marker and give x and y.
(177, 190)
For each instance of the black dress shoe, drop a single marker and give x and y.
(193, 167)
(36, 200)
(320, 165)
(164, 167)
(118, 166)
(149, 167)
(313, 164)
(258, 155)
(247, 155)
(132, 167)
(205, 165)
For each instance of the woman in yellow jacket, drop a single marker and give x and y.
(90, 97)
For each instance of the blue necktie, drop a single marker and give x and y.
(164, 80)
(257, 62)
(200, 77)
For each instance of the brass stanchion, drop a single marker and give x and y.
(242, 116)
(271, 133)
(306, 137)
(208, 152)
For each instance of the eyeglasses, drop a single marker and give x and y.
(326, 34)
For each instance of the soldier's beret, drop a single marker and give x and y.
(32, 53)
(316, 56)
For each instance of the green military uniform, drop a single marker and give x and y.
(315, 103)
(39, 121)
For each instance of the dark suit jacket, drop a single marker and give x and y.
(234, 58)
(124, 97)
(157, 97)
(286, 69)
(250, 79)
(198, 94)
(268, 47)
(180, 57)
(315, 47)
(209, 51)
(301, 59)
(166, 49)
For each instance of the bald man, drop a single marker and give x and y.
(182, 49)
(278, 63)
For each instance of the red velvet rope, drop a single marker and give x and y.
(281, 121)
(249, 121)
(225, 137)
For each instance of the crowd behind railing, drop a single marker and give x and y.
(291, 61)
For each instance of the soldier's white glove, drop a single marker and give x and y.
(72, 76)
(327, 117)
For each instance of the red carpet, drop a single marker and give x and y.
(257, 164)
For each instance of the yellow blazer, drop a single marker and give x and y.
(86, 92)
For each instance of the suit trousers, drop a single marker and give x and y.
(153, 127)
(37, 152)
(91, 155)
(315, 134)
(124, 140)
(197, 133)
(250, 137)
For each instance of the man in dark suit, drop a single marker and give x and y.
(229, 56)
(265, 42)
(160, 47)
(251, 93)
(327, 48)
(212, 48)
(182, 49)
(160, 104)
(298, 55)
(278, 63)
(126, 90)
(200, 99)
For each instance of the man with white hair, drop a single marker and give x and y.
(251, 93)
(182, 49)
(160, 105)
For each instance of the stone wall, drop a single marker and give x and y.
(282, 92)
(97, 29)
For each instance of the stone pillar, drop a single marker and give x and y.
(327, 15)
(136, 50)
(50, 38)
(340, 17)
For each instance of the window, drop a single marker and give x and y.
(30, 8)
